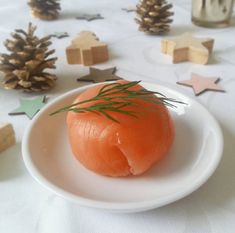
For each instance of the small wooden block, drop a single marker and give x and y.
(188, 48)
(7, 136)
(86, 49)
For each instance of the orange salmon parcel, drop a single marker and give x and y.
(131, 146)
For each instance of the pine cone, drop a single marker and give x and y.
(45, 9)
(24, 67)
(153, 16)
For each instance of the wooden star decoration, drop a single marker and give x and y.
(188, 48)
(129, 9)
(201, 84)
(60, 35)
(89, 17)
(29, 106)
(97, 75)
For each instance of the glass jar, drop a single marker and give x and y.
(212, 13)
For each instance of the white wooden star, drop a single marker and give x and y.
(188, 48)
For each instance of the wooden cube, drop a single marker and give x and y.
(7, 136)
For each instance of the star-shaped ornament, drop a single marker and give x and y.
(188, 48)
(129, 9)
(98, 76)
(201, 84)
(59, 35)
(89, 17)
(29, 106)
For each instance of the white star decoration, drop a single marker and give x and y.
(188, 48)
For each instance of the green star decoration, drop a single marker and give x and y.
(89, 17)
(29, 106)
(129, 9)
(59, 35)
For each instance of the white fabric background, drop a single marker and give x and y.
(26, 207)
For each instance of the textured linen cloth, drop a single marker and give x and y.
(27, 207)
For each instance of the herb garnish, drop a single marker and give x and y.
(112, 101)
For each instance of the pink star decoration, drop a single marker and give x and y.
(201, 84)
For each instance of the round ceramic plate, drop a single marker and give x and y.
(193, 158)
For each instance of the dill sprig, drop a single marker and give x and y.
(115, 97)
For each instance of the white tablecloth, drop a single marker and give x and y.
(26, 207)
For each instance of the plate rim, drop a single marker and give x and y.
(126, 207)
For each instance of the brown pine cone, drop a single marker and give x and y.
(153, 16)
(24, 66)
(45, 9)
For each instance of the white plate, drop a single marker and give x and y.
(194, 157)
